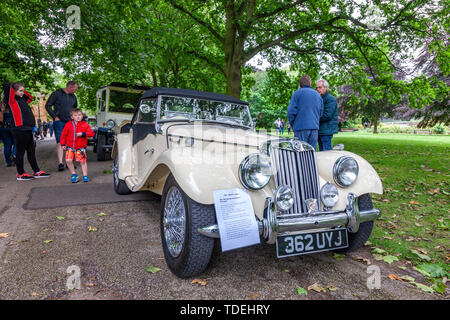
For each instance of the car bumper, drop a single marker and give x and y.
(273, 225)
(107, 147)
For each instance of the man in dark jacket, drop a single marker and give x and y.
(329, 118)
(58, 106)
(304, 112)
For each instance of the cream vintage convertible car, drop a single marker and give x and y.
(185, 144)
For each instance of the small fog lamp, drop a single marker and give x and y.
(284, 198)
(329, 195)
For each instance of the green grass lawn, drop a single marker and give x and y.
(415, 170)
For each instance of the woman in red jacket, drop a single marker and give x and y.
(74, 142)
(22, 125)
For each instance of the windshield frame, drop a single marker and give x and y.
(123, 90)
(159, 122)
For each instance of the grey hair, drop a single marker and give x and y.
(325, 82)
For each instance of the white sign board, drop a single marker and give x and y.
(236, 219)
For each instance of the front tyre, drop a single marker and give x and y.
(120, 186)
(186, 251)
(358, 239)
(101, 142)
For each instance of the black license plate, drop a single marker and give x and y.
(303, 243)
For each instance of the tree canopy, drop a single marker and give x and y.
(337, 33)
(22, 56)
(207, 45)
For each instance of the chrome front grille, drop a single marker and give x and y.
(298, 170)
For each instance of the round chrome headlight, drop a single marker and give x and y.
(345, 171)
(284, 198)
(329, 195)
(110, 124)
(255, 171)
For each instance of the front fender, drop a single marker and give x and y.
(200, 177)
(125, 156)
(368, 180)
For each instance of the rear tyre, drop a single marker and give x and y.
(101, 141)
(120, 186)
(358, 239)
(186, 251)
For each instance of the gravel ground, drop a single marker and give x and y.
(112, 252)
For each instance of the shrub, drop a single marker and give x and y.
(395, 129)
(353, 123)
(439, 129)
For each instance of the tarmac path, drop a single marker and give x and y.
(113, 243)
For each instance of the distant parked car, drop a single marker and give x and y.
(115, 106)
(304, 201)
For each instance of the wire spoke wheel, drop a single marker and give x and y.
(174, 221)
(186, 251)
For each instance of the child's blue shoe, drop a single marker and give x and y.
(74, 178)
(85, 179)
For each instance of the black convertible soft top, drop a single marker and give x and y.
(124, 85)
(152, 93)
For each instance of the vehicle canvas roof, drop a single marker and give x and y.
(124, 85)
(154, 92)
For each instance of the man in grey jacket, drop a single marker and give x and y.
(329, 119)
(59, 105)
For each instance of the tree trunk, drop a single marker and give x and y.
(155, 78)
(375, 124)
(234, 79)
(233, 49)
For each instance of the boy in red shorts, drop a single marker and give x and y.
(74, 142)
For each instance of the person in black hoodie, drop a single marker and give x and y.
(22, 129)
(58, 106)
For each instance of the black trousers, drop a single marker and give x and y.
(25, 142)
